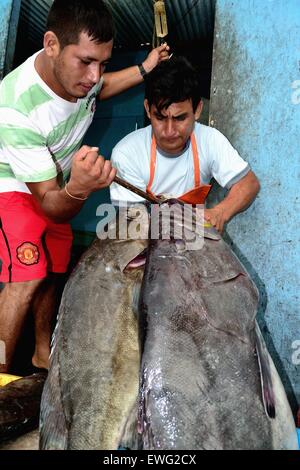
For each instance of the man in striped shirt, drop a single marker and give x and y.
(46, 106)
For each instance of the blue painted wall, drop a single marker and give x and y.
(114, 118)
(9, 17)
(255, 102)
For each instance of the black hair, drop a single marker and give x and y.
(172, 81)
(68, 18)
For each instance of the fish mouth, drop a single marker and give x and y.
(138, 261)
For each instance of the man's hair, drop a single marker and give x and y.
(68, 18)
(172, 81)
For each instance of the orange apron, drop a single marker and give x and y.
(194, 196)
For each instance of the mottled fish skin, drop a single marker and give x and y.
(92, 385)
(200, 382)
(20, 405)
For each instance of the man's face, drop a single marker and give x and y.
(172, 127)
(78, 67)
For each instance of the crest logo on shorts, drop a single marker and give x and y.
(28, 254)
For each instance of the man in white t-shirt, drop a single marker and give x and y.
(46, 106)
(177, 156)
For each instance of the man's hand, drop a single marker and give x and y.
(216, 216)
(239, 198)
(90, 172)
(116, 82)
(156, 56)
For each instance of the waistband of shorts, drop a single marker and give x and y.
(15, 194)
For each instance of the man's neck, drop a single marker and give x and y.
(172, 155)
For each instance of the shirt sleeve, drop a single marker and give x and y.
(24, 148)
(126, 170)
(228, 167)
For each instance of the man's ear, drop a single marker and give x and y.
(51, 44)
(198, 110)
(147, 108)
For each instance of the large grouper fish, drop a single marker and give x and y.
(207, 380)
(177, 364)
(89, 399)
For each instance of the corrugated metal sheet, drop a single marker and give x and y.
(32, 21)
(187, 20)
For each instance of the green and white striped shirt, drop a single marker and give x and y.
(39, 131)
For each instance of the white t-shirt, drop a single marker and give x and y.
(39, 131)
(174, 175)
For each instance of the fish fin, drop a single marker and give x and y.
(265, 374)
(131, 440)
(53, 426)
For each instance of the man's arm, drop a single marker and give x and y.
(116, 82)
(239, 197)
(89, 173)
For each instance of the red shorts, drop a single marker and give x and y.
(30, 244)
